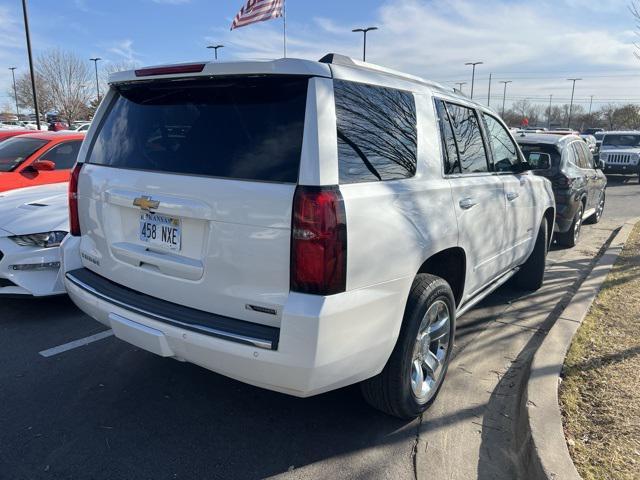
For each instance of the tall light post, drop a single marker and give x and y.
(15, 90)
(549, 113)
(215, 49)
(460, 84)
(489, 92)
(573, 89)
(364, 31)
(473, 74)
(95, 64)
(504, 94)
(33, 78)
(590, 104)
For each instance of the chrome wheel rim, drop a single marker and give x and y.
(576, 230)
(430, 351)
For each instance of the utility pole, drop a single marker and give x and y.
(33, 78)
(489, 93)
(473, 74)
(95, 63)
(573, 89)
(504, 94)
(590, 104)
(364, 31)
(549, 113)
(460, 84)
(15, 90)
(215, 48)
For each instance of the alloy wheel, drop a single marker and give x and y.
(430, 351)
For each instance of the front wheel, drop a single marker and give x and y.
(414, 373)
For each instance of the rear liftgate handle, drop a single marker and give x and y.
(511, 196)
(467, 203)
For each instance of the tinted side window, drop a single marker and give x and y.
(451, 161)
(505, 153)
(587, 155)
(580, 159)
(377, 136)
(473, 157)
(63, 155)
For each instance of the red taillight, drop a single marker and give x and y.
(74, 221)
(318, 241)
(173, 69)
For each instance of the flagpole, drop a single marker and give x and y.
(284, 26)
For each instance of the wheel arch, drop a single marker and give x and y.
(451, 265)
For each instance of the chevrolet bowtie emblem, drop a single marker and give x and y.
(145, 203)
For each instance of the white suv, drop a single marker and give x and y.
(299, 225)
(620, 153)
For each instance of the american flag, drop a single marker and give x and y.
(257, 11)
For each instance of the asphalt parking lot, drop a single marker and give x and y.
(109, 410)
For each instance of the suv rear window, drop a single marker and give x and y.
(247, 128)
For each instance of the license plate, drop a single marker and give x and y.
(161, 230)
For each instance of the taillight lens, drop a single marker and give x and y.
(318, 241)
(74, 221)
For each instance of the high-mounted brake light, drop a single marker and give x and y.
(318, 241)
(74, 220)
(173, 69)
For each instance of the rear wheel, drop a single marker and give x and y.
(531, 273)
(570, 238)
(414, 373)
(595, 218)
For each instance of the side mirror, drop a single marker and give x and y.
(44, 165)
(539, 161)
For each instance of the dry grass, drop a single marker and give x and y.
(600, 392)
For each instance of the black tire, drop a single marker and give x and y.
(595, 218)
(570, 237)
(390, 391)
(531, 274)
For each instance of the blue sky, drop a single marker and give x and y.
(535, 44)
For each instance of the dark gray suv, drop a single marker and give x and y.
(577, 179)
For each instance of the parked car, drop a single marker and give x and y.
(590, 140)
(592, 131)
(37, 159)
(578, 182)
(33, 222)
(620, 153)
(345, 217)
(11, 125)
(599, 136)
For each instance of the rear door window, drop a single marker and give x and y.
(377, 133)
(451, 161)
(505, 152)
(247, 128)
(466, 129)
(64, 155)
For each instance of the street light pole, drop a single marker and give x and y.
(364, 47)
(549, 113)
(489, 93)
(473, 74)
(590, 104)
(95, 63)
(215, 49)
(573, 89)
(33, 78)
(460, 84)
(504, 94)
(15, 90)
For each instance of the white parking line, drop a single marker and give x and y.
(65, 347)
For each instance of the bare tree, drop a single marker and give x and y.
(25, 93)
(68, 79)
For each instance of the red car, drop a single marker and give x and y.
(37, 159)
(6, 134)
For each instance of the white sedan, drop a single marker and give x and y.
(33, 222)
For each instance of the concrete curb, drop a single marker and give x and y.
(550, 457)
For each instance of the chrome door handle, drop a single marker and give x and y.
(511, 196)
(467, 203)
